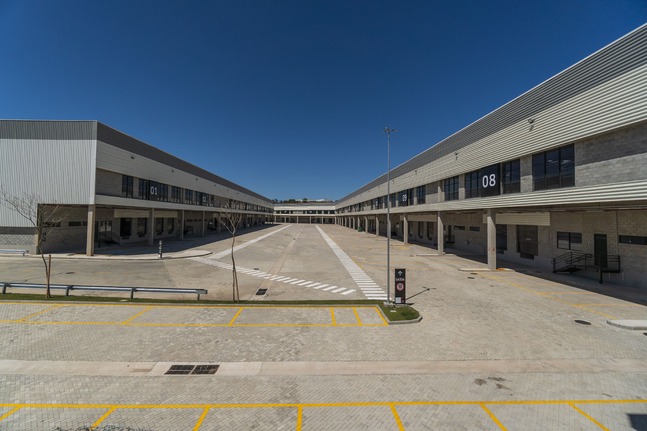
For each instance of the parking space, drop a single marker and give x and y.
(196, 316)
(521, 415)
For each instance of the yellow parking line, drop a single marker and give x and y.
(201, 419)
(570, 293)
(127, 321)
(332, 315)
(494, 418)
(102, 418)
(299, 418)
(9, 413)
(396, 416)
(379, 313)
(608, 305)
(588, 417)
(359, 321)
(24, 319)
(231, 322)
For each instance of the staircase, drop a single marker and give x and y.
(572, 261)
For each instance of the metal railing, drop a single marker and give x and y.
(71, 287)
(572, 260)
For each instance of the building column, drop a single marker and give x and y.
(182, 224)
(425, 230)
(365, 224)
(441, 234)
(491, 240)
(377, 226)
(203, 224)
(89, 242)
(151, 227)
(405, 229)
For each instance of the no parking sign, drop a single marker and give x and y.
(400, 286)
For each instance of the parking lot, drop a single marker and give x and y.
(513, 349)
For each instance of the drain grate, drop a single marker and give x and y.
(205, 369)
(582, 322)
(192, 369)
(180, 369)
(261, 291)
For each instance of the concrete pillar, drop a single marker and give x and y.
(203, 224)
(405, 229)
(441, 234)
(89, 242)
(151, 225)
(366, 224)
(377, 226)
(182, 224)
(491, 240)
(425, 230)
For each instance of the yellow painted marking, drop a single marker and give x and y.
(9, 413)
(102, 418)
(396, 416)
(231, 322)
(379, 313)
(127, 321)
(299, 418)
(570, 293)
(494, 418)
(332, 315)
(588, 417)
(201, 419)
(24, 319)
(359, 321)
(545, 295)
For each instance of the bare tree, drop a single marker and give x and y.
(42, 217)
(231, 218)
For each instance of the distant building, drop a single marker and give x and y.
(559, 173)
(307, 212)
(111, 188)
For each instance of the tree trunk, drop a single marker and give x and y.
(48, 272)
(234, 281)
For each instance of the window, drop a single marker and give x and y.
(475, 228)
(163, 193)
(141, 227)
(569, 240)
(630, 239)
(188, 196)
(176, 194)
(406, 198)
(393, 200)
(159, 226)
(472, 184)
(170, 225)
(143, 192)
(511, 176)
(450, 187)
(459, 227)
(554, 169)
(127, 186)
(421, 194)
(77, 223)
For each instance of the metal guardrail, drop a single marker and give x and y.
(72, 287)
(13, 251)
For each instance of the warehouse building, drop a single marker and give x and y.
(556, 178)
(93, 186)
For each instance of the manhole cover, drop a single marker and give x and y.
(192, 369)
(261, 291)
(582, 322)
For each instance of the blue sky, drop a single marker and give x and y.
(290, 98)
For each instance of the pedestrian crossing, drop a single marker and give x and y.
(278, 278)
(369, 288)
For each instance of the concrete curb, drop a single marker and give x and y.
(167, 256)
(634, 325)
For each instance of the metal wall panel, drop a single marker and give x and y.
(527, 219)
(603, 92)
(57, 171)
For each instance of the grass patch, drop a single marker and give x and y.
(402, 312)
(397, 313)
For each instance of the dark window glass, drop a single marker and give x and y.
(472, 184)
(450, 188)
(554, 169)
(631, 239)
(127, 186)
(421, 193)
(511, 176)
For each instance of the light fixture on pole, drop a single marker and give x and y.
(388, 132)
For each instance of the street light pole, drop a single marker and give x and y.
(388, 131)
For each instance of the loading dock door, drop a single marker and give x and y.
(528, 241)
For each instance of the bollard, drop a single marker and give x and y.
(160, 250)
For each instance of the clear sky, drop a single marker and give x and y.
(289, 98)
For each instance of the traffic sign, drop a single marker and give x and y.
(400, 285)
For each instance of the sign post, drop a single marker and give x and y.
(400, 286)
(160, 250)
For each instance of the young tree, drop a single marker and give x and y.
(42, 217)
(231, 218)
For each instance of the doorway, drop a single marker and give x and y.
(600, 250)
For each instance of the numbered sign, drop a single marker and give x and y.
(489, 179)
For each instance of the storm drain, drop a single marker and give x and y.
(192, 369)
(261, 291)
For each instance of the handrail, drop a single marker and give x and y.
(569, 259)
(72, 287)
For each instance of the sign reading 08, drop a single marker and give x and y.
(489, 181)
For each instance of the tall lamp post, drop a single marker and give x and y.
(388, 132)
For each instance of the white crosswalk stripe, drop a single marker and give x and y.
(365, 283)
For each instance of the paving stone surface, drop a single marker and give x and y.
(471, 318)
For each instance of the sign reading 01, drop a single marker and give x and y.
(489, 181)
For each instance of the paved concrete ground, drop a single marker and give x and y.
(495, 350)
